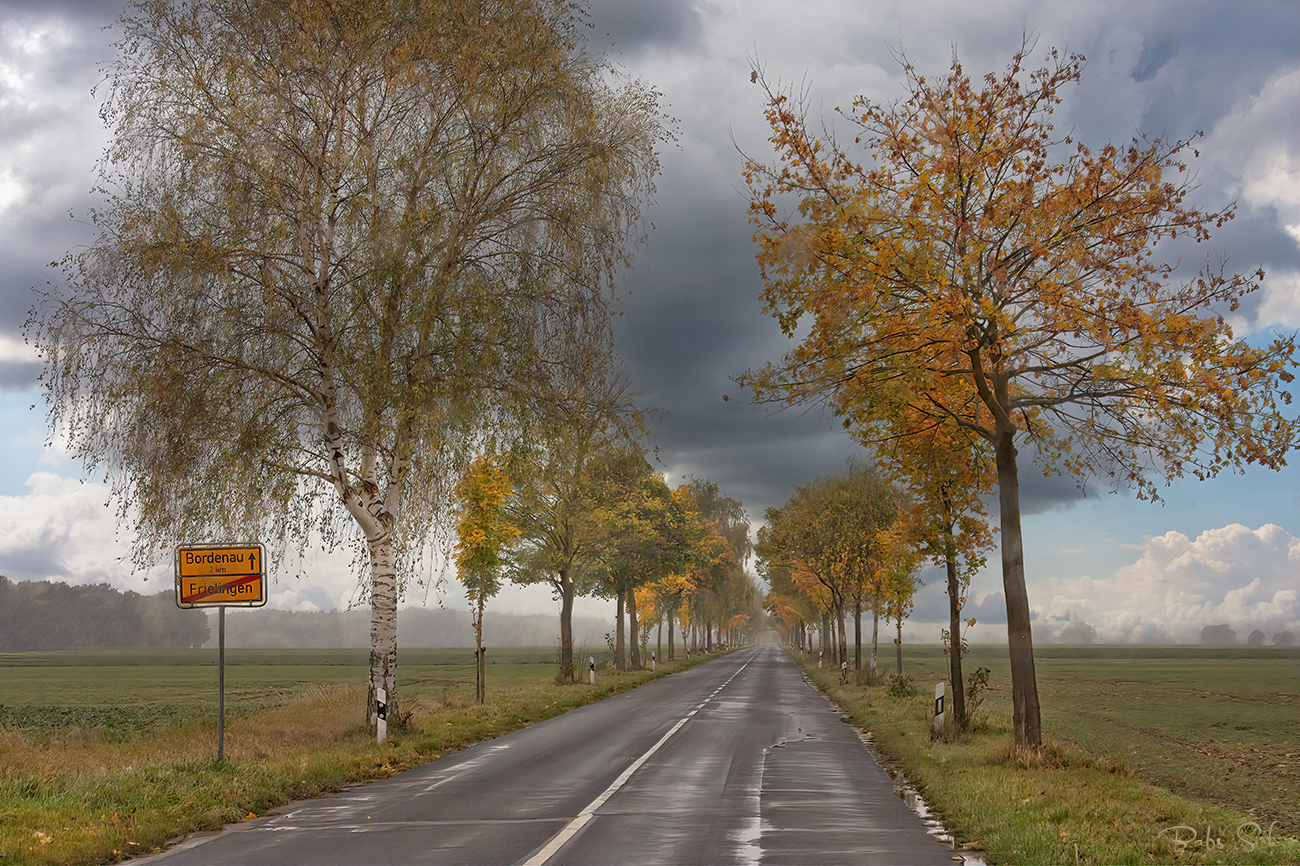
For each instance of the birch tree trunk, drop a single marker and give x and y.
(383, 628)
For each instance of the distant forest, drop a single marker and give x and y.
(45, 615)
(418, 627)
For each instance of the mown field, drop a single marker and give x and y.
(1154, 754)
(107, 755)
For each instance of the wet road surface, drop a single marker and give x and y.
(737, 761)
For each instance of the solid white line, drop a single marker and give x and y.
(571, 829)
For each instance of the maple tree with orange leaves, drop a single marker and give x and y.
(1008, 280)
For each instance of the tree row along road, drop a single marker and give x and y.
(737, 761)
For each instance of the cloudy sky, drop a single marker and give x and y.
(1224, 551)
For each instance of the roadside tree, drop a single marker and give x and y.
(483, 530)
(338, 239)
(975, 246)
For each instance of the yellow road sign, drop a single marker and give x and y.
(209, 575)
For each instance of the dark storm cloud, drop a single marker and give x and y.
(82, 9)
(48, 141)
(624, 28)
(1156, 54)
(18, 375)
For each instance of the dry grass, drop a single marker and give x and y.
(79, 794)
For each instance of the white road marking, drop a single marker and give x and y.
(559, 839)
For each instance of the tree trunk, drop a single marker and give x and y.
(857, 635)
(633, 628)
(565, 586)
(480, 668)
(954, 631)
(898, 646)
(383, 627)
(620, 662)
(823, 639)
(672, 647)
(1024, 684)
(659, 634)
(844, 639)
(875, 636)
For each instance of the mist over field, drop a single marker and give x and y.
(286, 629)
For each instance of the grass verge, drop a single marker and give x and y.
(1058, 805)
(77, 788)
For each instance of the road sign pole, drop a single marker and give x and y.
(221, 683)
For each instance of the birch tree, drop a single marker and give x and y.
(337, 239)
(970, 243)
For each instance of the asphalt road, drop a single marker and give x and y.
(737, 761)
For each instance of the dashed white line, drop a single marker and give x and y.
(571, 829)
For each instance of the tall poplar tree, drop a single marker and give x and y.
(338, 238)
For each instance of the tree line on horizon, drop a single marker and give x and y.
(50, 615)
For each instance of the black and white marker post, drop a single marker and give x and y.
(591, 662)
(381, 715)
(938, 708)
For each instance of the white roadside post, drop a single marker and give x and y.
(591, 663)
(938, 708)
(820, 653)
(652, 662)
(381, 715)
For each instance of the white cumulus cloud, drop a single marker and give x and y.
(1244, 577)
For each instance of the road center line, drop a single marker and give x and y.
(571, 829)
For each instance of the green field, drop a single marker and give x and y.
(1218, 724)
(122, 693)
(1139, 741)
